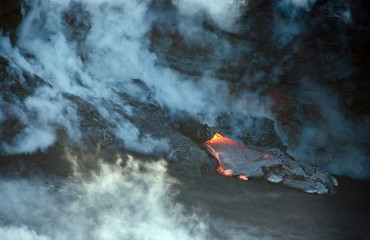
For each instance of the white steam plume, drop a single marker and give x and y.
(131, 202)
(97, 60)
(115, 50)
(224, 13)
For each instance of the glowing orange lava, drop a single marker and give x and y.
(219, 139)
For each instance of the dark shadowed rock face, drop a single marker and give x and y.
(261, 135)
(184, 155)
(257, 58)
(277, 65)
(10, 15)
(95, 129)
(106, 108)
(16, 85)
(185, 136)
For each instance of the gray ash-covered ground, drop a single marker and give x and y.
(105, 107)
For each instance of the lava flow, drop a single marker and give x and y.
(216, 142)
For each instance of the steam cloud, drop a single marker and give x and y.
(111, 47)
(127, 199)
(98, 60)
(135, 201)
(115, 50)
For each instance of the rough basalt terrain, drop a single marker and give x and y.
(242, 64)
(185, 137)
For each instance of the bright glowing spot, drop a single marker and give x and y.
(218, 138)
(243, 177)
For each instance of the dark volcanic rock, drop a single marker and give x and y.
(78, 22)
(10, 15)
(303, 176)
(329, 50)
(273, 165)
(261, 133)
(194, 130)
(97, 132)
(299, 72)
(94, 128)
(16, 84)
(186, 154)
(10, 128)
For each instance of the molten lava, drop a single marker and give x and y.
(238, 160)
(218, 140)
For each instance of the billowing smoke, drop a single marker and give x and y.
(129, 198)
(223, 13)
(326, 89)
(132, 200)
(96, 61)
(120, 74)
(217, 62)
